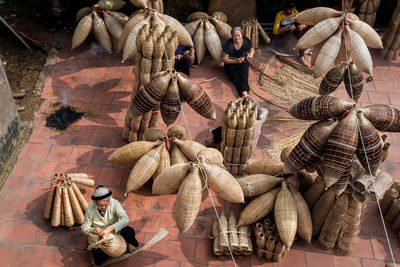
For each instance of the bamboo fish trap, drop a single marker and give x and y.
(237, 134)
(390, 205)
(252, 29)
(65, 204)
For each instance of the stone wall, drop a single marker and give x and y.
(9, 119)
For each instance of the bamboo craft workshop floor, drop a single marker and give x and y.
(90, 80)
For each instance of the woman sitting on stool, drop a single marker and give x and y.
(236, 51)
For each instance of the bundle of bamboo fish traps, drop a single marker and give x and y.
(208, 32)
(267, 241)
(337, 38)
(335, 220)
(367, 11)
(105, 22)
(391, 38)
(128, 43)
(338, 130)
(193, 179)
(390, 206)
(237, 134)
(152, 4)
(65, 204)
(227, 236)
(270, 193)
(251, 29)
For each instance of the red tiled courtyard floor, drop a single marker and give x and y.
(91, 80)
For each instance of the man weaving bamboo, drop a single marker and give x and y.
(103, 216)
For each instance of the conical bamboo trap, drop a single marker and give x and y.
(367, 11)
(208, 32)
(332, 29)
(237, 134)
(65, 204)
(252, 29)
(103, 20)
(390, 206)
(149, 4)
(227, 235)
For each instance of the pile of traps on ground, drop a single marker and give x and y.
(251, 28)
(390, 206)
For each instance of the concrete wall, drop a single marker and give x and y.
(9, 118)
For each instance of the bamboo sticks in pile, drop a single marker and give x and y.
(391, 38)
(237, 134)
(228, 235)
(251, 27)
(65, 204)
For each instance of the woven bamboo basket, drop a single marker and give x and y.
(311, 146)
(110, 4)
(150, 95)
(100, 32)
(196, 16)
(285, 153)
(188, 200)
(120, 17)
(344, 138)
(129, 46)
(82, 30)
(369, 152)
(169, 180)
(191, 27)
(113, 26)
(393, 211)
(78, 213)
(211, 156)
(383, 117)
(360, 53)
(143, 170)
(356, 81)
(315, 15)
(333, 222)
(314, 193)
(82, 13)
(366, 32)
(177, 131)
(327, 55)
(190, 148)
(183, 36)
(132, 151)
(224, 184)
(321, 209)
(223, 28)
(114, 245)
(213, 42)
(147, 47)
(132, 22)
(223, 229)
(257, 184)
(340, 186)
(199, 42)
(177, 156)
(165, 161)
(320, 32)
(319, 108)
(153, 134)
(266, 166)
(196, 97)
(170, 105)
(317, 48)
(285, 212)
(304, 222)
(331, 80)
(258, 208)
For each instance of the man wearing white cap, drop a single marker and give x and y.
(105, 215)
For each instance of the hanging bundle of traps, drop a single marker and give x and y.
(237, 134)
(251, 29)
(390, 206)
(153, 4)
(103, 20)
(391, 38)
(208, 32)
(336, 37)
(65, 203)
(227, 236)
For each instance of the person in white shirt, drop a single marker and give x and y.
(105, 215)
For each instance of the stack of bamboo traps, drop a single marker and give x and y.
(390, 206)
(268, 242)
(367, 11)
(192, 180)
(106, 30)
(337, 38)
(65, 204)
(270, 193)
(391, 38)
(227, 235)
(251, 28)
(237, 134)
(336, 220)
(208, 32)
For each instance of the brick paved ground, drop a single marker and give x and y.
(93, 81)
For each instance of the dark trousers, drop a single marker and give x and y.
(183, 66)
(239, 74)
(128, 233)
